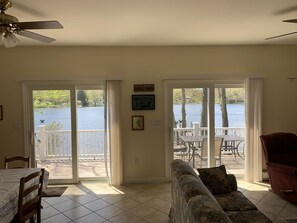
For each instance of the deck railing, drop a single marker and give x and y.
(56, 144)
(197, 130)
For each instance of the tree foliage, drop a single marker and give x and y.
(82, 97)
(195, 96)
(223, 96)
(61, 98)
(51, 98)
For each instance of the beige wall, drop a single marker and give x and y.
(148, 65)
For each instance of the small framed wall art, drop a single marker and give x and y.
(138, 122)
(143, 102)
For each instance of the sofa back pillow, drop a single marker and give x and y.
(216, 179)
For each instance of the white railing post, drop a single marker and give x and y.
(42, 142)
(196, 127)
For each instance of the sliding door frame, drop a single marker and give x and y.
(169, 85)
(29, 140)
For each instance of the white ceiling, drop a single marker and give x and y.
(160, 22)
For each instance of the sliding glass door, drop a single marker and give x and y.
(53, 132)
(206, 124)
(67, 127)
(90, 111)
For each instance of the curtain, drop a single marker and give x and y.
(114, 136)
(253, 149)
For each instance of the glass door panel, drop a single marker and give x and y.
(212, 116)
(190, 125)
(90, 133)
(230, 122)
(53, 134)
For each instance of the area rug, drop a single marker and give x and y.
(53, 191)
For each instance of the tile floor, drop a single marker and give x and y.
(96, 202)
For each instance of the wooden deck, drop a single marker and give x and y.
(90, 168)
(234, 164)
(62, 168)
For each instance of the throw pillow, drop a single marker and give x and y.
(215, 179)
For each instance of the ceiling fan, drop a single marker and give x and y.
(286, 34)
(10, 25)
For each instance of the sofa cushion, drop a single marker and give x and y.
(234, 201)
(215, 179)
(204, 209)
(254, 216)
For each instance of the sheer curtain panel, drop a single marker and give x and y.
(253, 150)
(116, 154)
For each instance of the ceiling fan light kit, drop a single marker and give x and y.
(10, 25)
(9, 40)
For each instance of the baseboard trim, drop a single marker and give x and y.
(265, 176)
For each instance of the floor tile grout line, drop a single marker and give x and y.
(155, 193)
(124, 211)
(285, 206)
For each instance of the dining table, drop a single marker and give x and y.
(9, 190)
(194, 142)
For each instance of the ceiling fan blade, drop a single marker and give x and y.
(40, 25)
(286, 10)
(35, 36)
(290, 20)
(287, 34)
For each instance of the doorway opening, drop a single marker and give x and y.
(208, 116)
(69, 129)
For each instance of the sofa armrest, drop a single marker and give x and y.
(284, 169)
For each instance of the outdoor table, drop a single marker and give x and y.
(230, 142)
(190, 141)
(9, 190)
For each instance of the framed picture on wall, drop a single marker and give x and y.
(1, 112)
(138, 122)
(143, 102)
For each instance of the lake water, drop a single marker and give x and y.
(236, 114)
(87, 117)
(92, 117)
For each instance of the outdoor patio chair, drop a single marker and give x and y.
(203, 153)
(180, 150)
(16, 162)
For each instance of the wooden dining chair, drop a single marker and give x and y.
(29, 201)
(15, 161)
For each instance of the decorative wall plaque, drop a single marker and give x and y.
(144, 87)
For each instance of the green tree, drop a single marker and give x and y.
(51, 98)
(82, 97)
(223, 105)
(54, 140)
(183, 108)
(95, 97)
(203, 120)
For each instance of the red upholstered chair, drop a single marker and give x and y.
(280, 150)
